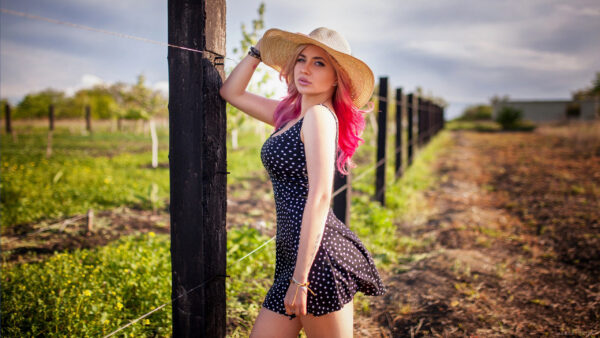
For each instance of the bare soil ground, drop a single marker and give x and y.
(517, 251)
(250, 204)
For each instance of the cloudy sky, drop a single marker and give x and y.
(462, 50)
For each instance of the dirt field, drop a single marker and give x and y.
(515, 223)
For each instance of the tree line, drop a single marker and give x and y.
(116, 101)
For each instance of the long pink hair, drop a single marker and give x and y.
(350, 119)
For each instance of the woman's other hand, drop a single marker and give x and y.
(295, 306)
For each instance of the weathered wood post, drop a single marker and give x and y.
(426, 120)
(398, 148)
(7, 125)
(198, 169)
(442, 117)
(88, 118)
(420, 121)
(51, 117)
(410, 119)
(341, 201)
(381, 141)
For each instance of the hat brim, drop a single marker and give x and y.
(277, 46)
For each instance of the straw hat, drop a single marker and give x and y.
(277, 46)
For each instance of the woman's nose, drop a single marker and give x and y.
(304, 67)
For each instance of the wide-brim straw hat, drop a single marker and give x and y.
(278, 46)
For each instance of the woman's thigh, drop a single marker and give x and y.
(272, 324)
(336, 324)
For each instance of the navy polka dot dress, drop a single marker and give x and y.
(342, 265)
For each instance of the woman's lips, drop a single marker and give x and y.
(303, 82)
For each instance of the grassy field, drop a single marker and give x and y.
(94, 291)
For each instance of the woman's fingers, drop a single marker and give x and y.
(300, 304)
(295, 300)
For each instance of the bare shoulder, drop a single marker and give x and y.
(318, 120)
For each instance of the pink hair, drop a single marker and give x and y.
(350, 118)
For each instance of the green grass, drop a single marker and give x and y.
(101, 171)
(93, 292)
(483, 125)
(89, 293)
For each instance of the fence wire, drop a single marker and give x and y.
(204, 52)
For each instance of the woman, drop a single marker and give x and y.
(320, 263)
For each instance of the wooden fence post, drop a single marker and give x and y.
(421, 122)
(442, 118)
(381, 141)
(88, 118)
(341, 201)
(51, 117)
(410, 119)
(198, 170)
(398, 152)
(426, 120)
(7, 118)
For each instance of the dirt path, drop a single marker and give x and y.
(515, 223)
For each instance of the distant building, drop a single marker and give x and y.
(553, 110)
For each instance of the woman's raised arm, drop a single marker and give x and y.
(234, 91)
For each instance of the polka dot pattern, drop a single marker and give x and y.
(342, 265)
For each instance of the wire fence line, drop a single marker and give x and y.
(344, 187)
(138, 38)
(104, 31)
(185, 293)
(205, 53)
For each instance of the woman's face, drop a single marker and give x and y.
(313, 72)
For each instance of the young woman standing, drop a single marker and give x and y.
(320, 262)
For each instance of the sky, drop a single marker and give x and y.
(464, 51)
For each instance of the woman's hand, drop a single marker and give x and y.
(295, 306)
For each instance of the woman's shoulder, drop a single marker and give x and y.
(321, 110)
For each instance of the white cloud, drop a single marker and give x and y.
(26, 69)
(492, 55)
(87, 81)
(162, 86)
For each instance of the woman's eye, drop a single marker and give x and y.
(320, 63)
(300, 59)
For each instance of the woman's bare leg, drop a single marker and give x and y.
(338, 324)
(271, 324)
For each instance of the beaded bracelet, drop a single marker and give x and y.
(254, 53)
(302, 285)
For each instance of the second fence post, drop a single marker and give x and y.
(398, 152)
(409, 128)
(380, 162)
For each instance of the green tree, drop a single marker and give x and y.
(235, 117)
(36, 105)
(589, 92)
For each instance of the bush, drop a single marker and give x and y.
(477, 112)
(509, 117)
